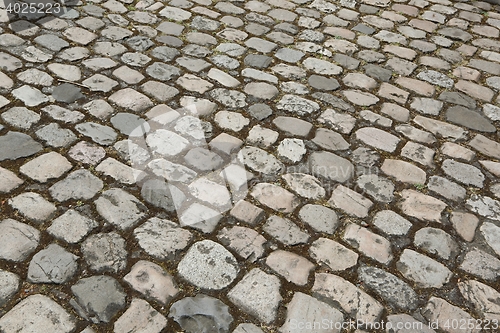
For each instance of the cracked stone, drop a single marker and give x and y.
(52, 265)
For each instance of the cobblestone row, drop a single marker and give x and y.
(250, 166)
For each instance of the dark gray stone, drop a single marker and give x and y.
(139, 43)
(14, 145)
(378, 72)
(469, 118)
(257, 60)
(201, 314)
(364, 29)
(203, 159)
(159, 194)
(98, 298)
(323, 83)
(392, 289)
(67, 93)
(457, 98)
(346, 61)
(330, 166)
(260, 111)
(130, 124)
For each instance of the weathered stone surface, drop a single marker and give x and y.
(378, 139)
(195, 314)
(379, 188)
(162, 239)
(403, 171)
(330, 166)
(482, 298)
(440, 311)
(436, 242)
(8, 180)
(418, 153)
(291, 266)
(353, 300)
(392, 289)
(464, 173)
(491, 233)
(45, 315)
(33, 206)
(446, 188)
(52, 265)
(47, 166)
(421, 206)
(441, 128)
(486, 146)
(80, 184)
(140, 317)
(481, 264)
(319, 218)
(391, 223)
(257, 294)
(100, 134)
(152, 281)
(246, 242)
(89, 300)
(306, 310)
(285, 231)
(71, 227)
(484, 206)
(332, 254)
(9, 285)
(208, 265)
(350, 201)
(17, 240)
(247, 212)
(305, 185)
(120, 208)
(14, 145)
(260, 161)
(422, 270)
(468, 118)
(297, 105)
(368, 243)
(105, 252)
(131, 100)
(275, 197)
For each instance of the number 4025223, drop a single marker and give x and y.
(33, 8)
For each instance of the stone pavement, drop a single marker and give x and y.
(250, 166)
